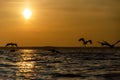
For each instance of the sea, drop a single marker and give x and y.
(60, 63)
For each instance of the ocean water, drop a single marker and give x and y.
(60, 64)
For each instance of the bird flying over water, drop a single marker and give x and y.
(105, 43)
(85, 42)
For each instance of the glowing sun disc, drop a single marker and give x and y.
(27, 13)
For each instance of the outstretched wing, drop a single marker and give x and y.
(102, 43)
(81, 39)
(6, 45)
(116, 42)
(16, 45)
(105, 43)
(108, 44)
(90, 41)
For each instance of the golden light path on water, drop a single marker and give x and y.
(25, 68)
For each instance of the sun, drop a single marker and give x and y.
(27, 13)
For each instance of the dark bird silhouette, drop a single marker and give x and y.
(105, 43)
(11, 44)
(85, 42)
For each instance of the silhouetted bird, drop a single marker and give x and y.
(108, 44)
(85, 42)
(11, 44)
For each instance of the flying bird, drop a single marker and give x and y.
(11, 44)
(85, 42)
(105, 43)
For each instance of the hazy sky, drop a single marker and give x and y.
(59, 22)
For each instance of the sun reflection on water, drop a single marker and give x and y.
(26, 65)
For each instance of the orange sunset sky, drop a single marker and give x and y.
(59, 22)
